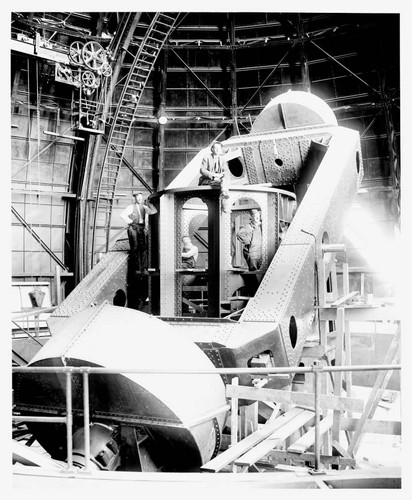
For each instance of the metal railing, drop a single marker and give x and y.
(86, 371)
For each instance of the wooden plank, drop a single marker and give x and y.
(238, 449)
(375, 396)
(308, 439)
(317, 351)
(282, 456)
(274, 439)
(345, 278)
(191, 304)
(340, 449)
(362, 313)
(343, 299)
(295, 398)
(248, 419)
(373, 426)
(320, 484)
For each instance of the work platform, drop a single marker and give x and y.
(123, 483)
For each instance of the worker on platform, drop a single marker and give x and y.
(251, 237)
(214, 172)
(190, 253)
(136, 216)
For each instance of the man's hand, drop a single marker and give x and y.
(146, 230)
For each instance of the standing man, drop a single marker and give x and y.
(251, 237)
(136, 216)
(214, 172)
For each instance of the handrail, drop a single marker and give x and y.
(88, 370)
(220, 371)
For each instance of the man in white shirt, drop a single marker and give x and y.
(136, 216)
(190, 253)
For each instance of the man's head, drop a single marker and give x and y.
(138, 197)
(186, 241)
(255, 215)
(216, 148)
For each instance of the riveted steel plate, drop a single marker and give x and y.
(288, 287)
(100, 284)
(248, 156)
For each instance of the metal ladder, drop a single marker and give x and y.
(150, 47)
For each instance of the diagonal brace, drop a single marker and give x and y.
(38, 239)
(343, 66)
(269, 75)
(200, 81)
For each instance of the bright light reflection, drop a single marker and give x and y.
(381, 252)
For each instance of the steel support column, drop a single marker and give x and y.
(233, 79)
(303, 55)
(161, 129)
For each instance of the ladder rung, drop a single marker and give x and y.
(140, 68)
(154, 39)
(164, 24)
(162, 14)
(118, 141)
(148, 54)
(123, 112)
(119, 132)
(158, 31)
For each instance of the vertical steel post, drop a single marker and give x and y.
(159, 183)
(306, 84)
(234, 423)
(69, 420)
(316, 382)
(233, 76)
(86, 412)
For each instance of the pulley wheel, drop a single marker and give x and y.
(88, 79)
(94, 55)
(75, 53)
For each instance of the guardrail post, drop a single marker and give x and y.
(316, 382)
(234, 423)
(86, 412)
(69, 420)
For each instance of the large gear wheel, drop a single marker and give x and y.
(75, 53)
(94, 55)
